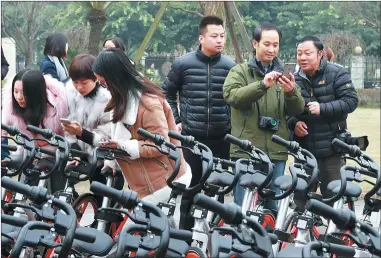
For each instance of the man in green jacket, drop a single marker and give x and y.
(260, 98)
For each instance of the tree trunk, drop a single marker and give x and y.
(212, 8)
(147, 38)
(243, 32)
(234, 41)
(31, 29)
(97, 20)
(29, 58)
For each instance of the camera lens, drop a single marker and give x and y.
(273, 122)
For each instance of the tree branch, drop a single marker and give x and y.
(187, 11)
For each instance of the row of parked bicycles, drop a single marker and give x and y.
(37, 223)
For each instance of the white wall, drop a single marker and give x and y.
(9, 49)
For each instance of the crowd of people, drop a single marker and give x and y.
(103, 100)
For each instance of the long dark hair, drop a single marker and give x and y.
(34, 91)
(118, 42)
(122, 79)
(55, 45)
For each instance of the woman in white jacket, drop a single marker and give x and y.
(88, 123)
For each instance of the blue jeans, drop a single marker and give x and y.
(4, 153)
(239, 191)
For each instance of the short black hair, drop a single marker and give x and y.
(316, 41)
(118, 42)
(209, 20)
(257, 33)
(55, 45)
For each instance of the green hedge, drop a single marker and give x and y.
(369, 98)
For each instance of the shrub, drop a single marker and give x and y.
(369, 97)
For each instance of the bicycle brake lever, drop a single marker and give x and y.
(248, 153)
(156, 147)
(24, 206)
(352, 237)
(351, 158)
(184, 147)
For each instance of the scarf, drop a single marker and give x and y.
(61, 68)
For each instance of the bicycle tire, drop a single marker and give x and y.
(195, 252)
(268, 219)
(83, 198)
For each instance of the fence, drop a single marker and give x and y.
(372, 77)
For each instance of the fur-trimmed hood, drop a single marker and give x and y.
(56, 94)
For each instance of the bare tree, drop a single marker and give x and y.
(370, 12)
(78, 38)
(23, 21)
(341, 43)
(234, 41)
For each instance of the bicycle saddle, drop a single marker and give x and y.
(220, 179)
(352, 189)
(252, 180)
(285, 182)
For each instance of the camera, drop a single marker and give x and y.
(269, 123)
(361, 141)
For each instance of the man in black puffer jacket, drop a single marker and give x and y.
(329, 96)
(197, 78)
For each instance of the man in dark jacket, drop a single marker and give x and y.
(329, 97)
(197, 78)
(4, 65)
(4, 71)
(256, 90)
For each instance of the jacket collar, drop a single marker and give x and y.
(320, 70)
(200, 55)
(275, 65)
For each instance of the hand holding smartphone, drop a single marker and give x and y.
(288, 68)
(65, 121)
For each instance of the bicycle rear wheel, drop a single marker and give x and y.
(195, 252)
(268, 220)
(85, 207)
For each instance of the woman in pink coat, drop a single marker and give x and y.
(35, 99)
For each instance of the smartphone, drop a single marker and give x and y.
(288, 68)
(65, 121)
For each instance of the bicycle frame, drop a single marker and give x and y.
(280, 219)
(201, 230)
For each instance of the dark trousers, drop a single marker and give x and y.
(220, 149)
(239, 191)
(329, 170)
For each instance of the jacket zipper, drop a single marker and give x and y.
(145, 176)
(311, 90)
(161, 163)
(266, 149)
(208, 86)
